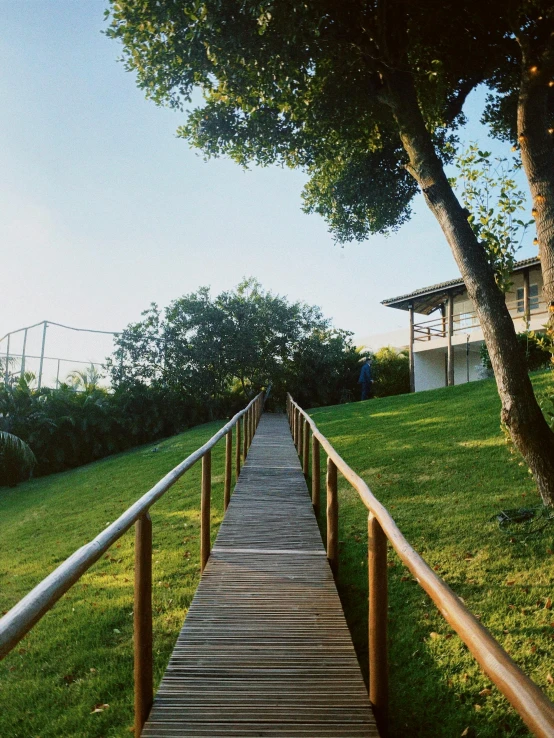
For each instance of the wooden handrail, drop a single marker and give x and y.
(30, 609)
(525, 696)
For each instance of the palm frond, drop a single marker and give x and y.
(14, 446)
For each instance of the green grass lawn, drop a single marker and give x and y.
(81, 655)
(438, 461)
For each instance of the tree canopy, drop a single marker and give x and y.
(237, 343)
(302, 84)
(366, 97)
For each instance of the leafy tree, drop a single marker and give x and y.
(365, 97)
(520, 109)
(491, 196)
(212, 349)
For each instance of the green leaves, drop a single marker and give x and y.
(216, 349)
(16, 459)
(490, 194)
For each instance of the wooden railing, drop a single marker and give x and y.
(29, 610)
(427, 330)
(528, 700)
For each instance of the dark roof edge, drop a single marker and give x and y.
(451, 283)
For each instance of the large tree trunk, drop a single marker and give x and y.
(520, 410)
(536, 138)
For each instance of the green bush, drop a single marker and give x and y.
(17, 461)
(65, 428)
(536, 357)
(391, 372)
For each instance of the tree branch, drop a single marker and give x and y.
(455, 106)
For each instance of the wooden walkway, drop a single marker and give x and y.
(265, 650)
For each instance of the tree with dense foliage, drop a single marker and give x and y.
(366, 98)
(520, 107)
(234, 345)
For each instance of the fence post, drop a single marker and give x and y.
(245, 437)
(205, 509)
(306, 449)
(228, 468)
(378, 604)
(23, 352)
(7, 372)
(315, 475)
(39, 384)
(143, 622)
(332, 516)
(237, 451)
(301, 436)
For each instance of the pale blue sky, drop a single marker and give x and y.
(103, 210)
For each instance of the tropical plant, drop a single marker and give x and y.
(85, 380)
(17, 461)
(390, 369)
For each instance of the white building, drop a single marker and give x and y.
(444, 349)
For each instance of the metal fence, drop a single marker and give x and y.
(25, 349)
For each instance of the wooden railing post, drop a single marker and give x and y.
(332, 516)
(245, 438)
(237, 450)
(296, 422)
(306, 449)
(143, 622)
(228, 469)
(205, 509)
(316, 491)
(301, 436)
(378, 605)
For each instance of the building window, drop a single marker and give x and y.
(533, 298)
(467, 321)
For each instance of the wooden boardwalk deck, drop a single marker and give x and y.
(265, 650)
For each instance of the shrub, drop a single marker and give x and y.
(531, 342)
(391, 372)
(16, 460)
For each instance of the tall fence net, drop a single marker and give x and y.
(54, 353)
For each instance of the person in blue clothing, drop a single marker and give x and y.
(365, 379)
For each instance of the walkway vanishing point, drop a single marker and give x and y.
(265, 650)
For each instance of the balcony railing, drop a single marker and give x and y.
(428, 330)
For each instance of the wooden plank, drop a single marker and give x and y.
(265, 650)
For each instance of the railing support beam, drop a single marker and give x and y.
(378, 607)
(332, 517)
(143, 669)
(306, 450)
(205, 543)
(316, 473)
(237, 450)
(228, 469)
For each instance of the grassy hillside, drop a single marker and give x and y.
(439, 462)
(80, 655)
